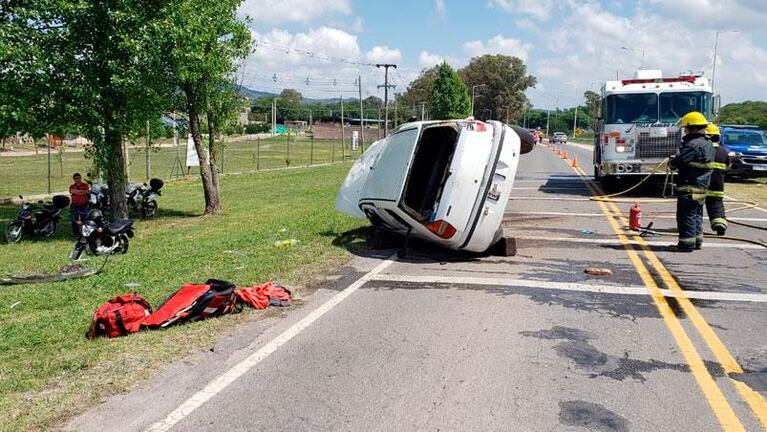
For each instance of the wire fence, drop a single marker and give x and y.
(50, 170)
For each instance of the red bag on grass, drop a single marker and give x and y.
(119, 316)
(264, 295)
(194, 302)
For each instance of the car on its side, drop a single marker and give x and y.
(559, 138)
(446, 182)
(747, 147)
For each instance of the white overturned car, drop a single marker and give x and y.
(446, 182)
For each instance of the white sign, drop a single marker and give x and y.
(355, 139)
(191, 153)
(658, 132)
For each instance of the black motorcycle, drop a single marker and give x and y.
(38, 220)
(99, 237)
(143, 198)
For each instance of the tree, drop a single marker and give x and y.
(89, 65)
(449, 98)
(419, 91)
(504, 79)
(592, 102)
(202, 40)
(291, 95)
(748, 112)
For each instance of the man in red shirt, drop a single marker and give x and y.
(79, 209)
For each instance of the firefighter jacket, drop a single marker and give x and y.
(694, 163)
(721, 158)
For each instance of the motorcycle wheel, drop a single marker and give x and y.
(149, 210)
(124, 247)
(13, 232)
(50, 229)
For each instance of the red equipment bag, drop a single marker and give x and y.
(193, 303)
(119, 316)
(261, 296)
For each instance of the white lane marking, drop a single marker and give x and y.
(566, 286)
(652, 243)
(649, 215)
(222, 381)
(755, 208)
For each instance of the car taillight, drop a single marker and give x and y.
(442, 229)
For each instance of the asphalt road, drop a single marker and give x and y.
(437, 341)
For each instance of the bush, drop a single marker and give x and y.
(255, 128)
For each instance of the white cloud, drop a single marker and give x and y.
(427, 59)
(441, 9)
(498, 45)
(586, 49)
(540, 9)
(716, 14)
(358, 26)
(383, 54)
(281, 11)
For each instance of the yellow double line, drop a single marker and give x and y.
(716, 399)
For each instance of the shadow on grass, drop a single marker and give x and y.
(367, 242)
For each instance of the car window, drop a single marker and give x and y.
(745, 138)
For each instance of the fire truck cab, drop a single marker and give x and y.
(636, 127)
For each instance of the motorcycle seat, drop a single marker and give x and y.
(119, 226)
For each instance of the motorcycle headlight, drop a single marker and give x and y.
(87, 230)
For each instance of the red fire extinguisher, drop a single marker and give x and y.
(635, 217)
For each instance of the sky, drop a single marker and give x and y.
(570, 46)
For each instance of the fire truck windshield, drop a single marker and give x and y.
(653, 108)
(674, 106)
(631, 108)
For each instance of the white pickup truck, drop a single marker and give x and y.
(446, 182)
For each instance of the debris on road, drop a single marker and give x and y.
(70, 271)
(445, 182)
(595, 271)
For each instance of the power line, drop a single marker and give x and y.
(306, 53)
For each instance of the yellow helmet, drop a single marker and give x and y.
(693, 118)
(712, 129)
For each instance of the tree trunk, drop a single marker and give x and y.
(214, 153)
(210, 190)
(116, 175)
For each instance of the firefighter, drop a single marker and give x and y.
(693, 163)
(715, 195)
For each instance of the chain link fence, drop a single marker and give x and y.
(30, 171)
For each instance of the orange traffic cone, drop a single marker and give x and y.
(564, 155)
(575, 161)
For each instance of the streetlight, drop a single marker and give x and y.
(473, 89)
(636, 49)
(716, 46)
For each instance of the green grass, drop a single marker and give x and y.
(750, 190)
(49, 371)
(29, 174)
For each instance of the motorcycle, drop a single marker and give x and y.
(100, 238)
(143, 199)
(38, 219)
(99, 197)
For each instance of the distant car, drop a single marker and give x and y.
(748, 150)
(446, 182)
(559, 138)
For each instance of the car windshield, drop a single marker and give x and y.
(631, 108)
(745, 138)
(674, 106)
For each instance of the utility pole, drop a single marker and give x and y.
(148, 170)
(274, 116)
(342, 127)
(716, 46)
(423, 111)
(386, 87)
(362, 116)
(473, 94)
(548, 117)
